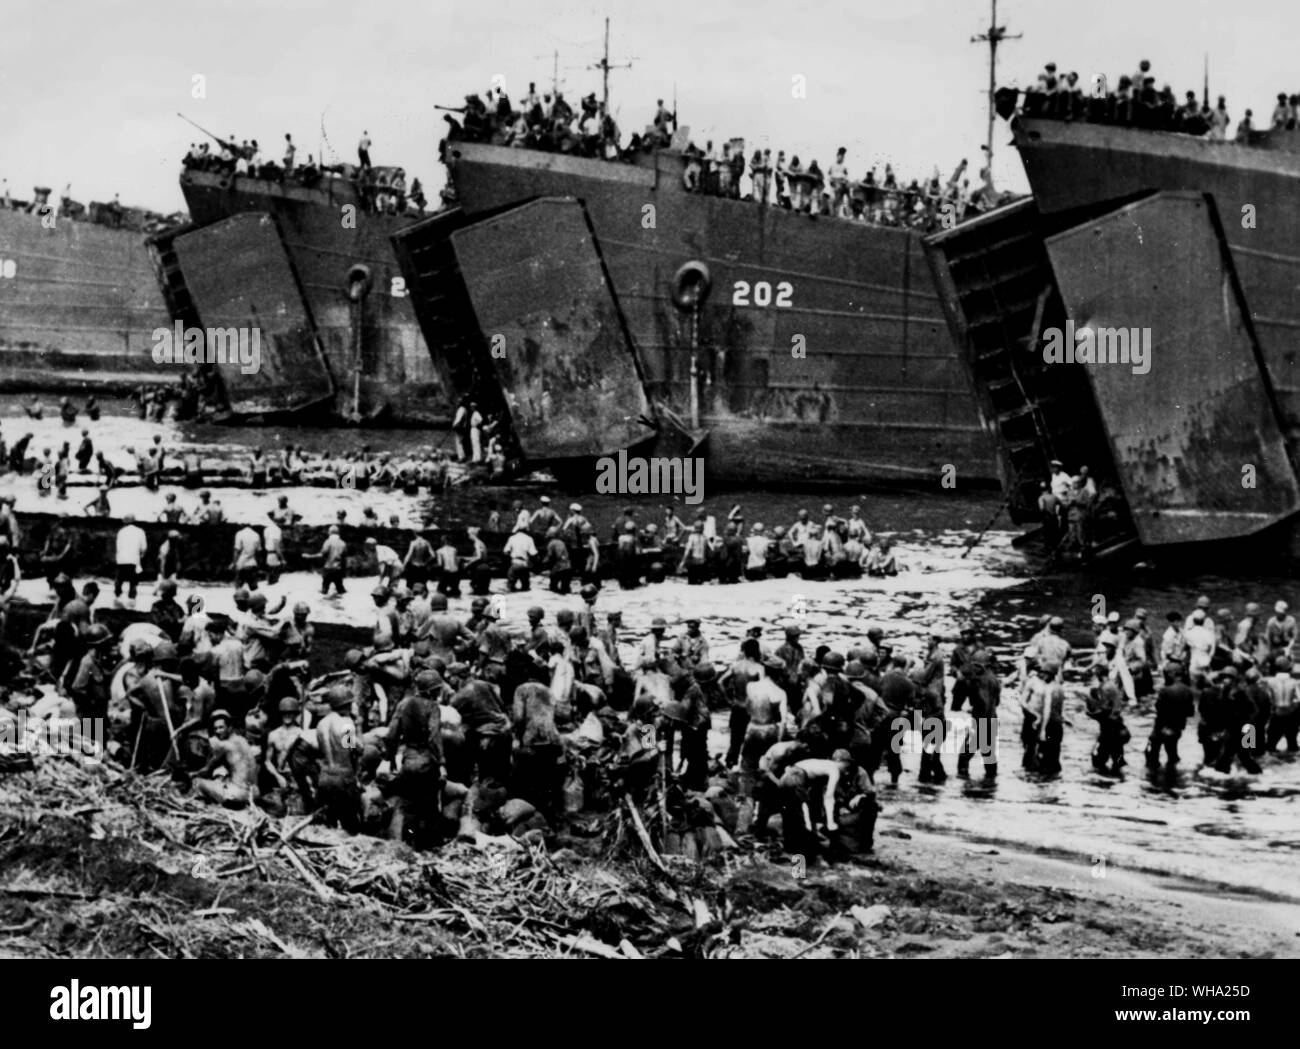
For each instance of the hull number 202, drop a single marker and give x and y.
(760, 294)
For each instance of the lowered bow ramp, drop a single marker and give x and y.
(238, 275)
(1190, 436)
(552, 331)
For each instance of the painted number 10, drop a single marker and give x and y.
(762, 292)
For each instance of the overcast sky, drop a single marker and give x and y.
(89, 89)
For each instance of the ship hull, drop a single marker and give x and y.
(79, 308)
(388, 373)
(821, 352)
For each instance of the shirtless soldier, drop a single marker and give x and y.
(232, 753)
(801, 786)
(281, 751)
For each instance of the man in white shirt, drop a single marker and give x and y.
(1200, 641)
(1062, 483)
(1203, 606)
(521, 549)
(389, 565)
(248, 544)
(131, 548)
(756, 547)
(363, 150)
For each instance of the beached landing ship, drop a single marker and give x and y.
(311, 266)
(78, 297)
(811, 350)
(1190, 240)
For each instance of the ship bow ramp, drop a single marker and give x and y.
(1194, 428)
(239, 278)
(521, 305)
(1125, 343)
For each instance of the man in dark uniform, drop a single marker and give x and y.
(870, 716)
(687, 715)
(89, 689)
(899, 693)
(1210, 730)
(981, 687)
(1262, 699)
(1106, 707)
(930, 694)
(538, 766)
(487, 729)
(1175, 703)
(416, 728)
(1237, 714)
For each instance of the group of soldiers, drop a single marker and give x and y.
(568, 547)
(543, 120)
(1136, 102)
(1238, 676)
(874, 199)
(551, 123)
(1076, 512)
(436, 704)
(383, 189)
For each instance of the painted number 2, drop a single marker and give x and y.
(762, 292)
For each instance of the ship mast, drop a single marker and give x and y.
(993, 37)
(604, 67)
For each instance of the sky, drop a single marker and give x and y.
(89, 96)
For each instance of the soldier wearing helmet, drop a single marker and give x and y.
(586, 616)
(557, 561)
(827, 792)
(89, 689)
(281, 742)
(297, 633)
(416, 733)
(339, 745)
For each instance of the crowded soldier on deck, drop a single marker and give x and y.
(549, 123)
(1136, 102)
(380, 189)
